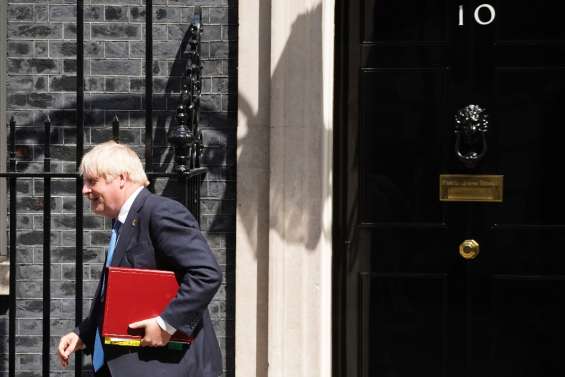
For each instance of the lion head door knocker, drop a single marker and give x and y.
(471, 126)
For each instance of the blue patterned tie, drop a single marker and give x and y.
(98, 354)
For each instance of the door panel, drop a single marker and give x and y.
(405, 304)
(526, 327)
(390, 20)
(400, 152)
(528, 112)
(515, 303)
(411, 303)
(407, 315)
(523, 20)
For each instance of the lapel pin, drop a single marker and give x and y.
(134, 222)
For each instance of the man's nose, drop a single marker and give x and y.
(85, 189)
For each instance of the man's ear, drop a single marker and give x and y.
(123, 180)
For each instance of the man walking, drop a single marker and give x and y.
(153, 232)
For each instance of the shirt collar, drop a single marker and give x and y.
(122, 216)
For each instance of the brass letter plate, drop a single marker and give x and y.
(470, 188)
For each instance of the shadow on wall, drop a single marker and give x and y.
(295, 99)
(99, 111)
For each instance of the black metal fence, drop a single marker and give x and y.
(185, 136)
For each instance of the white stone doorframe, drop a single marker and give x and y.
(284, 202)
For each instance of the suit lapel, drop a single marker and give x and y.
(129, 228)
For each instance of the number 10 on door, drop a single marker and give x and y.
(478, 19)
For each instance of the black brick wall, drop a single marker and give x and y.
(41, 74)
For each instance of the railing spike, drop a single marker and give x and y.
(116, 129)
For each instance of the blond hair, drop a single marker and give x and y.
(110, 159)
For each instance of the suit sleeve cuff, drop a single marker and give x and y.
(165, 326)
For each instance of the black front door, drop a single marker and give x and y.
(465, 287)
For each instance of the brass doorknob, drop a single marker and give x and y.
(469, 249)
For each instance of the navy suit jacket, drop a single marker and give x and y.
(160, 233)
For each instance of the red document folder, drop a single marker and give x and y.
(133, 295)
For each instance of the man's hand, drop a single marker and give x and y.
(154, 336)
(67, 345)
